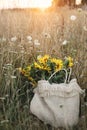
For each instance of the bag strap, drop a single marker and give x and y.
(67, 77)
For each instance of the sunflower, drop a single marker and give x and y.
(70, 61)
(43, 59)
(58, 63)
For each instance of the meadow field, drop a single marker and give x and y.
(25, 34)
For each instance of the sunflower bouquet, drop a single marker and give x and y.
(44, 66)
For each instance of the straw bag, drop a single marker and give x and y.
(57, 104)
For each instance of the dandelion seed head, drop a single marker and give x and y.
(29, 38)
(64, 42)
(79, 10)
(73, 17)
(76, 62)
(36, 42)
(84, 28)
(14, 39)
(39, 56)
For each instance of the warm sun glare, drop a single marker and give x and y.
(40, 3)
(43, 4)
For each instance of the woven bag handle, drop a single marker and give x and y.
(67, 76)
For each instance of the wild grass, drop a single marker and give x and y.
(24, 34)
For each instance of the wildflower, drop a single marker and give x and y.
(43, 59)
(73, 17)
(29, 38)
(76, 62)
(44, 66)
(65, 42)
(70, 61)
(85, 28)
(19, 69)
(22, 71)
(14, 39)
(58, 64)
(25, 71)
(30, 78)
(79, 10)
(36, 65)
(28, 68)
(41, 67)
(38, 57)
(36, 42)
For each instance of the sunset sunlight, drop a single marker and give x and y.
(40, 3)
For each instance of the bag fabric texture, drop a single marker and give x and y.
(57, 104)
